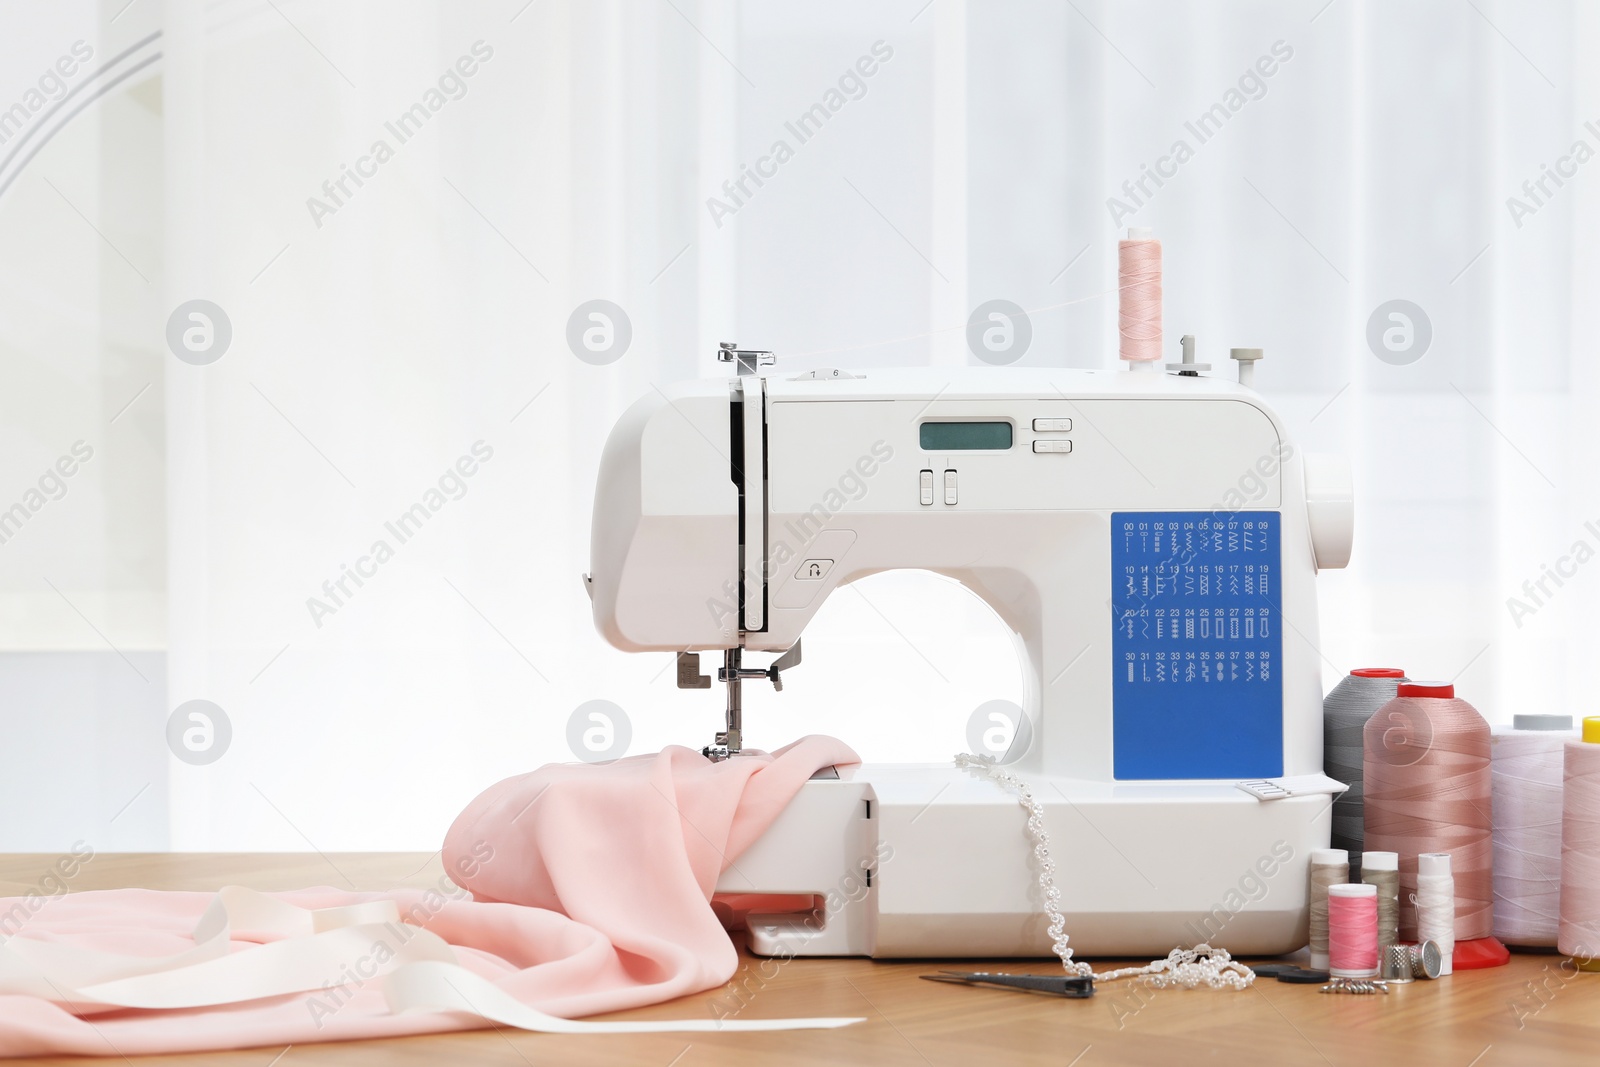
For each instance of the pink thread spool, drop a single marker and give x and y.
(1139, 297)
(1353, 930)
(1428, 787)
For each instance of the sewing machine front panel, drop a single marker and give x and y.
(1035, 535)
(1197, 645)
(1107, 454)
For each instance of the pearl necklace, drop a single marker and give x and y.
(1184, 968)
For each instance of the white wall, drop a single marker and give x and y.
(423, 315)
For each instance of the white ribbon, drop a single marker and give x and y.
(313, 950)
(449, 987)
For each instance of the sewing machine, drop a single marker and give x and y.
(1150, 537)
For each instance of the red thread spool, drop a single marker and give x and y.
(1353, 930)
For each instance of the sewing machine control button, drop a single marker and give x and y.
(813, 570)
(1061, 445)
(1052, 425)
(949, 487)
(927, 487)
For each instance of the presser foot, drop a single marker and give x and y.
(728, 743)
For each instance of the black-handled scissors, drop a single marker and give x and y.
(1053, 985)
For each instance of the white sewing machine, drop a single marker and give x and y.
(1152, 540)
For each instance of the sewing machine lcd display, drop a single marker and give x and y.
(965, 436)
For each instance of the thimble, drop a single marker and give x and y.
(1396, 964)
(1402, 963)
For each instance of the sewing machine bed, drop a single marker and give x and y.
(925, 860)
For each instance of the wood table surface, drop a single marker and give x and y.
(1530, 1012)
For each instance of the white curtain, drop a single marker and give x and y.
(384, 330)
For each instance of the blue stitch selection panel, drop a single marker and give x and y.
(1197, 646)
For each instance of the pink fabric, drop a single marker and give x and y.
(592, 886)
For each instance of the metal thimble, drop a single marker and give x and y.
(1402, 963)
(1396, 964)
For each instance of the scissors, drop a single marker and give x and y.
(1052, 985)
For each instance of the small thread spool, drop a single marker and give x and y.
(1526, 768)
(1139, 297)
(1329, 867)
(1353, 930)
(1579, 932)
(1427, 784)
(1345, 712)
(1382, 869)
(1436, 905)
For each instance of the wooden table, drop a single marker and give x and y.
(1529, 1012)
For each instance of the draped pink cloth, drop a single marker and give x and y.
(592, 889)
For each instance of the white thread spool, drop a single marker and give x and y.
(1436, 905)
(1526, 774)
(1579, 933)
(1329, 867)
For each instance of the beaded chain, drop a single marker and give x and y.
(1184, 968)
